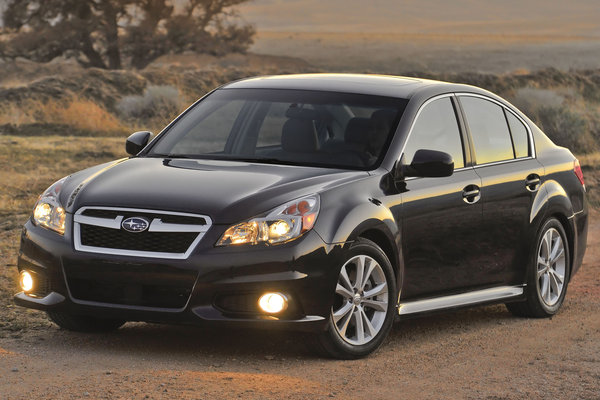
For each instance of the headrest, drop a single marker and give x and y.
(358, 131)
(384, 116)
(302, 113)
(299, 136)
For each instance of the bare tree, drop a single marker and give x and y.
(103, 33)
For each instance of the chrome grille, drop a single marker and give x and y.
(169, 234)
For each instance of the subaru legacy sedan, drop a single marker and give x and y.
(329, 204)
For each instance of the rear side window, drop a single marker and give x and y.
(519, 135)
(489, 130)
(436, 129)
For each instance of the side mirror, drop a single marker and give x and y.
(137, 141)
(428, 164)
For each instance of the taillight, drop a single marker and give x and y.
(578, 172)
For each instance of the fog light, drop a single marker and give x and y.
(272, 303)
(26, 281)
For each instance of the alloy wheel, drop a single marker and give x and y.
(361, 304)
(551, 267)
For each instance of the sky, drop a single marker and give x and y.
(538, 17)
(504, 17)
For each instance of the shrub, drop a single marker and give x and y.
(529, 99)
(566, 128)
(156, 102)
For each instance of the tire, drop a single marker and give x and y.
(362, 314)
(84, 323)
(547, 273)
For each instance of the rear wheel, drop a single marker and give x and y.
(547, 274)
(84, 323)
(363, 309)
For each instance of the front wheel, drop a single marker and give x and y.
(364, 303)
(547, 274)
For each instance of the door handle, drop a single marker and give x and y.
(471, 194)
(532, 182)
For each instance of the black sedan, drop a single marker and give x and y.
(331, 204)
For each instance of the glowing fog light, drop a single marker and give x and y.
(272, 303)
(26, 281)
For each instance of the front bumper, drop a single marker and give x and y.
(217, 285)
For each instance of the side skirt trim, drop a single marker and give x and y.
(458, 300)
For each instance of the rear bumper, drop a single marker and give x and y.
(214, 285)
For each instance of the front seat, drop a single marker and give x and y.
(299, 136)
(356, 137)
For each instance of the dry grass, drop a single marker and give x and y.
(81, 114)
(13, 114)
(591, 161)
(13, 82)
(78, 113)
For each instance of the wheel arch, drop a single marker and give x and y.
(385, 242)
(378, 232)
(553, 202)
(564, 221)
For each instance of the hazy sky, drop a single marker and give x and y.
(537, 17)
(557, 17)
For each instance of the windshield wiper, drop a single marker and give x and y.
(172, 156)
(260, 160)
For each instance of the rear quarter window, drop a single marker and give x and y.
(489, 130)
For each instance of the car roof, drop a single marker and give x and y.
(380, 85)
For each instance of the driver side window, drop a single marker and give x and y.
(436, 129)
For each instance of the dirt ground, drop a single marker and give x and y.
(478, 353)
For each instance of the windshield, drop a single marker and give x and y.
(278, 126)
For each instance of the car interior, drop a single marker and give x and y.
(314, 136)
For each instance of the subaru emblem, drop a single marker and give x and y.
(135, 224)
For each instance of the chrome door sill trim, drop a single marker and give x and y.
(458, 300)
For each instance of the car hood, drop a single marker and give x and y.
(226, 191)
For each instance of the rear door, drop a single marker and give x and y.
(441, 217)
(503, 157)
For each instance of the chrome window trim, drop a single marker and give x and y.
(458, 300)
(505, 107)
(156, 226)
(458, 94)
(490, 164)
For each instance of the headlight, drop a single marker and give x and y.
(48, 212)
(283, 223)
